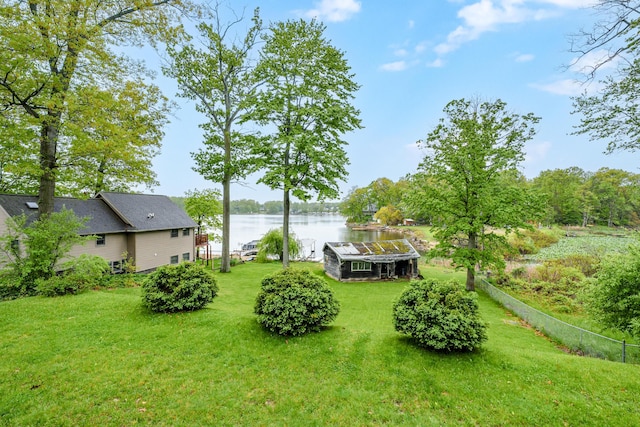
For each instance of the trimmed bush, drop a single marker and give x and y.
(180, 287)
(440, 316)
(294, 302)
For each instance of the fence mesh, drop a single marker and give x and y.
(576, 339)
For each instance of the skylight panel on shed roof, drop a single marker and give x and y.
(32, 205)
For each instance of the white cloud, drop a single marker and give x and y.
(586, 64)
(489, 15)
(571, 4)
(437, 63)
(524, 57)
(536, 151)
(400, 52)
(421, 47)
(412, 23)
(394, 66)
(334, 10)
(567, 87)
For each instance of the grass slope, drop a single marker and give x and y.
(99, 359)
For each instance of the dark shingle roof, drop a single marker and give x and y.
(147, 212)
(101, 219)
(380, 251)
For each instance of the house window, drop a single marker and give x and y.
(116, 266)
(174, 232)
(360, 266)
(101, 240)
(186, 256)
(185, 231)
(174, 259)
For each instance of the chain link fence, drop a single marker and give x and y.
(578, 340)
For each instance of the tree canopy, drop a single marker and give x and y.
(305, 98)
(56, 53)
(611, 114)
(219, 76)
(464, 183)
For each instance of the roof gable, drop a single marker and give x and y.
(147, 212)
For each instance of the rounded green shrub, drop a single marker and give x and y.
(180, 287)
(440, 316)
(294, 302)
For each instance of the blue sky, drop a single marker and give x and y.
(411, 57)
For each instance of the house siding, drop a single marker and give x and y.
(332, 264)
(155, 248)
(115, 245)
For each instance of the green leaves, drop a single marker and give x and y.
(467, 184)
(182, 287)
(439, 316)
(295, 302)
(305, 97)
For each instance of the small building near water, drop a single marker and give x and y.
(385, 259)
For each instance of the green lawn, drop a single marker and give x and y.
(99, 359)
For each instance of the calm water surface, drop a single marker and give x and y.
(312, 230)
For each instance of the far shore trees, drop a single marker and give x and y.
(219, 76)
(305, 100)
(465, 183)
(53, 50)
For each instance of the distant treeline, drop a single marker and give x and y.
(249, 206)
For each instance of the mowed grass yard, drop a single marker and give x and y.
(99, 359)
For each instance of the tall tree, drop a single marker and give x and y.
(611, 114)
(219, 77)
(51, 48)
(465, 182)
(306, 100)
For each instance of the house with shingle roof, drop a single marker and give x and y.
(149, 229)
(384, 259)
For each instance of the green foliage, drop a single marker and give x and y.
(32, 250)
(389, 215)
(305, 100)
(78, 274)
(468, 183)
(204, 207)
(62, 77)
(614, 300)
(181, 287)
(272, 244)
(440, 316)
(295, 302)
(587, 245)
(357, 206)
(217, 74)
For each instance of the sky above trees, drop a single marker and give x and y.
(411, 58)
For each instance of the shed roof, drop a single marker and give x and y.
(380, 251)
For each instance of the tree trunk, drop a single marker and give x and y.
(225, 265)
(471, 274)
(285, 230)
(48, 163)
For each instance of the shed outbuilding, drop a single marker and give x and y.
(364, 261)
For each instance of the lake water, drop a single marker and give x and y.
(312, 230)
